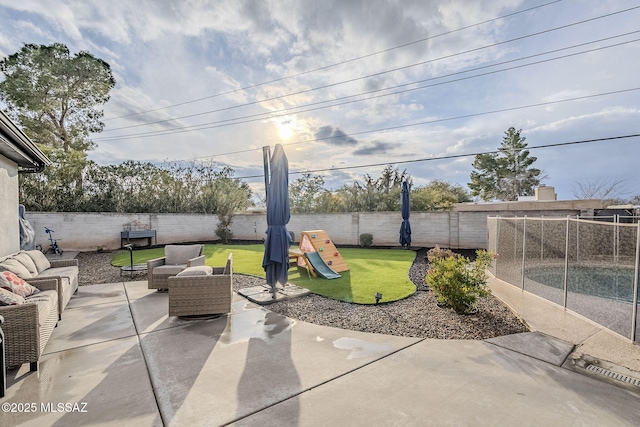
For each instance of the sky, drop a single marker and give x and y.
(350, 86)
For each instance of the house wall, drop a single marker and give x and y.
(10, 229)
(465, 227)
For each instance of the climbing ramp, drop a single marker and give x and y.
(319, 241)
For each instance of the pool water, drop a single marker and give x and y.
(606, 282)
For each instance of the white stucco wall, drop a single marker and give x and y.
(9, 228)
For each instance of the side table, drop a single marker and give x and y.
(132, 268)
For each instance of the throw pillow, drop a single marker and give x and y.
(26, 260)
(199, 270)
(12, 283)
(16, 267)
(9, 298)
(41, 261)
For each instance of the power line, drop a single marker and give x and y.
(438, 120)
(338, 63)
(300, 108)
(452, 156)
(502, 110)
(375, 74)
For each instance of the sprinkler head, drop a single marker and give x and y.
(378, 297)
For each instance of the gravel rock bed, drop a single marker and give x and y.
(416, 316)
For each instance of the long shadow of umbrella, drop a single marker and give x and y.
(269, 374)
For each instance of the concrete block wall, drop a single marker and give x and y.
(340, 226)
(465, 227)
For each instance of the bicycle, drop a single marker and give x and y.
(53, 246)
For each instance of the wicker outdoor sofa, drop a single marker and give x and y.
(201, 290)
(27, 327)
(34, 267)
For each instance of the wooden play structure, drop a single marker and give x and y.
(319, 241)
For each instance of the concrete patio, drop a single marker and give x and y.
(123, 361)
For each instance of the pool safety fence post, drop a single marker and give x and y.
(515, 239)
(542, 239)
(524, 246)
(566, 264)
(498, 244)
(634, 311)
(578, 238)
(616, 239)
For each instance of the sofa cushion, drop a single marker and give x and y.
(12, 283)
(9, 298)
(46, 301)
(199, 270)
(26, 260)
(16, 266)
(41, 261)
(70, 272)
(180, 254)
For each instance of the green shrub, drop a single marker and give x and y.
(224, 233)
(438, 253)
(456, 281)
(366, 240)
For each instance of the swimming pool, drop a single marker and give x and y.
(615, 283)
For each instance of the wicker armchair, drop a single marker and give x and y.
(193, 295)
(27, 334)
(176, 258)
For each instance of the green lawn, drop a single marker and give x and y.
(370, 270)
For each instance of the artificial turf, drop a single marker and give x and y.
(371, 271)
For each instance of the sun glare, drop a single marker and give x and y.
(285, 131)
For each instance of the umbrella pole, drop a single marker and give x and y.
(266, 159)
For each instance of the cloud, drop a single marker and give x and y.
(334, 136)
(375, 147)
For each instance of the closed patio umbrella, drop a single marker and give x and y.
(276, 246)
(405, 227)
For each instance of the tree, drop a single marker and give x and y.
(609, 189)
(437, 196)
(376, 194)
(304, 192)
(56, 97)
(59, 187)
(507, 174)
(232, 196)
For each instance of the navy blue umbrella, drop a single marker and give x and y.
(276, 247)
(405, 228)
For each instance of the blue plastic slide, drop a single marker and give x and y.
(318, 264)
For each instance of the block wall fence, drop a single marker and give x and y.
(465, 227)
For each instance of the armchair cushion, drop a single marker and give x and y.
(168, 270)
(181, 254)
(199, 270)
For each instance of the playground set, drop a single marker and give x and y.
(319, 255)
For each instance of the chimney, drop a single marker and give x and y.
(545, 193)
